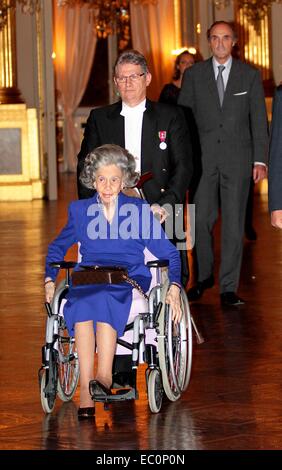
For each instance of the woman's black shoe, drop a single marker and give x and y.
(98, 390)
(86, 413)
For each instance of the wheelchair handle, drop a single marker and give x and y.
(143, 179)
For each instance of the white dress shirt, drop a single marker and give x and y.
(133, 120)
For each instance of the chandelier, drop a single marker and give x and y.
(27, 6)
(254, 10)
(108, 16)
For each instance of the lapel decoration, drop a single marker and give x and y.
(162, 137)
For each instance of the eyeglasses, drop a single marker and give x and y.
(133, 78)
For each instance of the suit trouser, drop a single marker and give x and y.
(233, 193)
(249, 209)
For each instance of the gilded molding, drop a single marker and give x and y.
(27, 185)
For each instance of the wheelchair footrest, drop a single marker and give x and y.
(120, 395)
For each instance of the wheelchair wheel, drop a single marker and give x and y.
(186, 326)
(155, 390)
(68, 366)
(175, 347)
(47, 401)
(48, 379)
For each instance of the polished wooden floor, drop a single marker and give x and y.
(234, 400)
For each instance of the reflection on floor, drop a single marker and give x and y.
(234, 398)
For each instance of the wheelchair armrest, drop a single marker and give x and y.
(63, 264)
(158, 263)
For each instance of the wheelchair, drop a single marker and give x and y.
(151, 336)
(59, 373)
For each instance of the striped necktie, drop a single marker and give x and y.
(220, 84)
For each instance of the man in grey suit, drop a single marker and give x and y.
(227, 99)
(275, 162)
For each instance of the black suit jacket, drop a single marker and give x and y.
(275, 154)
(172, 168)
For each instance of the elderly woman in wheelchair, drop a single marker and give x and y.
(113, 231)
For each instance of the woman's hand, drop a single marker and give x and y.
(173, 299)
(49, 289)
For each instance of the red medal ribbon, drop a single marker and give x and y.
(162, 135)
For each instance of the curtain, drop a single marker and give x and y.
(74, 45)
(153, 34)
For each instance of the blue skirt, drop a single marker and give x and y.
(105, 303)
